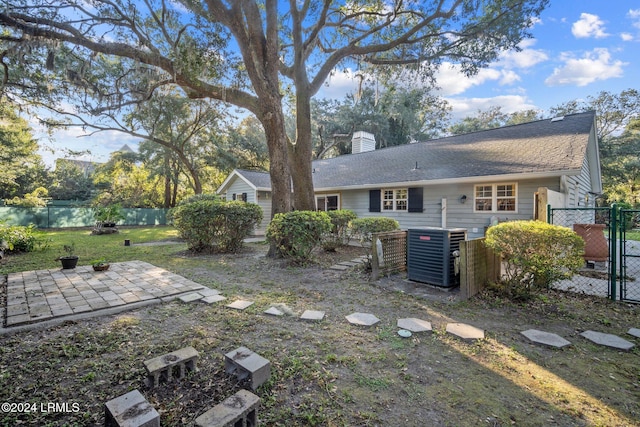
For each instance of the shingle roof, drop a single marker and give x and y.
(541, 147)
(260, 180)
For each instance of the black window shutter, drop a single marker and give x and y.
(374, 200)
(415, 200)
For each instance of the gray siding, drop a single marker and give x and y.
(238, 186)
(458, 215)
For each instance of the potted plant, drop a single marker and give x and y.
(100, 264)
(70, 260)
(107, 216)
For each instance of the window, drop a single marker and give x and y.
(328, 202)
(495, 198)
(395, 200)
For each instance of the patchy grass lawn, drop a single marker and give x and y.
(328, 373)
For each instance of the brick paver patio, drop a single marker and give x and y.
(34, 296)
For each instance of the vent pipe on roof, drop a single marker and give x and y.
(362, 142)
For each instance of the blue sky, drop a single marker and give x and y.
(579, 48)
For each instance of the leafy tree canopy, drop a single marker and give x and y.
(21, 167)
(117, 52)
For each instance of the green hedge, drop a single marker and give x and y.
(209, 225)
(340, 233)
(536, 255)
(295, 234)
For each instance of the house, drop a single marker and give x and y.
(467, 181)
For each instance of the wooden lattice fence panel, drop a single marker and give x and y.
(394, 253)
(479, 266)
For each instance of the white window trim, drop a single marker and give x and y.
(494, 197)
(395, 200)
(325, 196)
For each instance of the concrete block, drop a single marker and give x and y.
(130, 410)
(244, 363)
(175, 364)
(239, 410)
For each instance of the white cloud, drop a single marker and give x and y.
(595, 65)
(339, 84)
(452, 82)
(526, 58)
(626, 37)
(634, 14)
(463, 107)
(588, 26)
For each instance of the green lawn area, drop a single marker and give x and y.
(89, 247)
(327, 373)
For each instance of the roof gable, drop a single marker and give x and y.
(259, 181)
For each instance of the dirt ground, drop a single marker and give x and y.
(331, 373)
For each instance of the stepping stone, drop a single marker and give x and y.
(364, 319)
(339, 267)
(284, 308)
(349, 263)
(274, 312)
(194, 296)
(608, 340)
(207, 292)
(359, 260)
(546, 338)
(240, 304)
(213, 298)
(414, 325)
(464, 331)
(312, 315)
(634, 331)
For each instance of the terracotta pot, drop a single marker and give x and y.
(596, 247)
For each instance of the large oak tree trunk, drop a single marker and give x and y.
(273, 122)
(301, 153)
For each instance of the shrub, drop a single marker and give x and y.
(366, 227)
(214, 225)
(536, 255)
(18, 238)
(339, 234)
(296, 234)
(108, 214)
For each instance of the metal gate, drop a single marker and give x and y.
(612, 257)
(628, 257)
